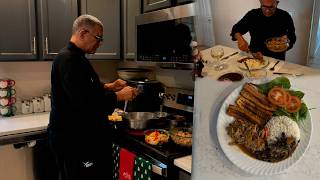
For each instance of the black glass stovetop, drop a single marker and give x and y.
(165, 153)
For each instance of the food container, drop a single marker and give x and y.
(277, 44)
(182, 136)
(138, 120)
(156, 137)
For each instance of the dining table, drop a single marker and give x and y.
(209, 160)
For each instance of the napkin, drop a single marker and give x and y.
(142, 169)
(115, 161)
(126, 164)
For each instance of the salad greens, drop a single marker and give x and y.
(284, 82)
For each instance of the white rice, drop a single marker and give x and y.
(282, 124)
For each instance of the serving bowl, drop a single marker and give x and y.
(182, 136)
(156, 136)
(277, 44)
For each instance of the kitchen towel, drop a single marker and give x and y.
(126, 164)
(142, 169)
(115, 161)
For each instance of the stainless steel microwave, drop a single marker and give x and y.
(165, 35)
(152, 5)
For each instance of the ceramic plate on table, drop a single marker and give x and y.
(253, 64)
(248, 163)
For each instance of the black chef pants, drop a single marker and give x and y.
(84, 166)
(84, 162)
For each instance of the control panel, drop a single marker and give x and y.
(181, 99)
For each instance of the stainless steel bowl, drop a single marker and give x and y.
(138, 120)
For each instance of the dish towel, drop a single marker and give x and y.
(142, 169)
(126, 164)
(115, 161)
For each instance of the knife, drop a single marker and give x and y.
(227, 57)
(293, 74)
(245, 63)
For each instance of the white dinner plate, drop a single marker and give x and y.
(252, 66)
(248, 163)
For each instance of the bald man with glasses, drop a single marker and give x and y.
(262, 23)
(79, 132)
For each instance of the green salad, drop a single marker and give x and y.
(284, 82)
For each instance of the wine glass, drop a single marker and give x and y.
(217, 53)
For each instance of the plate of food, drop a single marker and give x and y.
(264, 126)
(253, 63)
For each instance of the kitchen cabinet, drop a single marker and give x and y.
(108, 11)
(56, 19)
(130, 9)
(18, 38)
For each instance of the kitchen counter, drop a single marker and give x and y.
(209, 160)
(19, 126)
(184, 163)
(27, 127)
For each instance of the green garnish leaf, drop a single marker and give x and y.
(282, 81)
(298, 94)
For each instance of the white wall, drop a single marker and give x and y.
(225, 13)
(33, 78)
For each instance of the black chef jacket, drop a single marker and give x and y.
(261, 28)
(80, 104)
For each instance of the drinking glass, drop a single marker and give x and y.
(217, 53)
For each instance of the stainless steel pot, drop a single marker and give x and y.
(138, 120)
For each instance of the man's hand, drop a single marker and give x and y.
(242, 43)
(127, 94)
(116, 85)
(285, 38)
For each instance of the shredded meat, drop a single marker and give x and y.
(246, 134)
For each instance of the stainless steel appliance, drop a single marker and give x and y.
(151, 5)
(165, 35)
(148, 99)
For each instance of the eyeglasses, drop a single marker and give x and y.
(98, 38)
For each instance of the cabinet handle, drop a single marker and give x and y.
(34, 47)
(46, 49)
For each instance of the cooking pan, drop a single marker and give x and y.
(134, 73)
(138, 120)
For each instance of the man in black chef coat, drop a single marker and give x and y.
(265, 22)
(78, 128)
